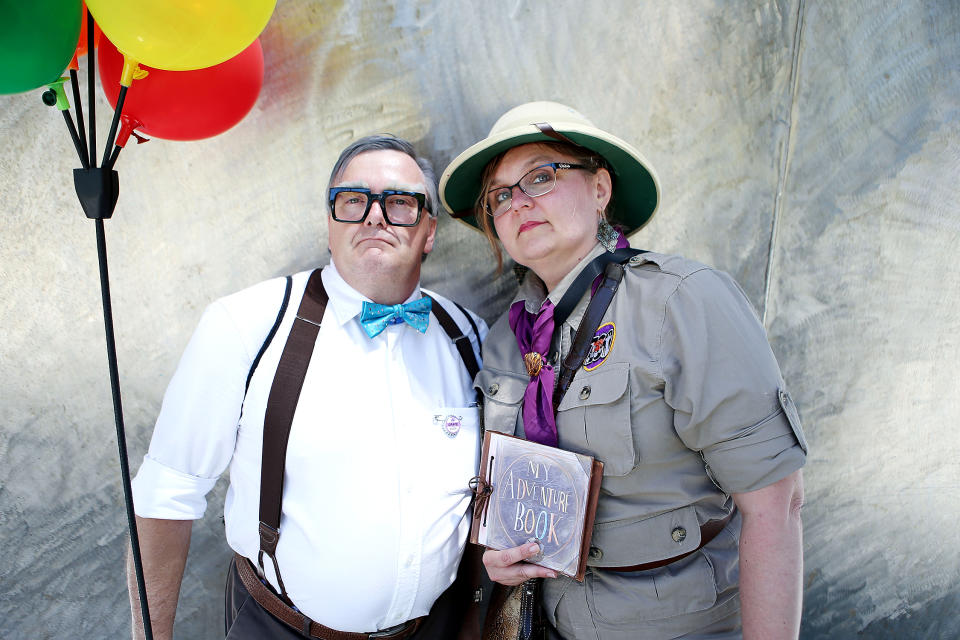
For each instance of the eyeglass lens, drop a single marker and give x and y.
(351, 206)
(536, 182)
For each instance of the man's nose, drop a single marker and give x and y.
(376, 215)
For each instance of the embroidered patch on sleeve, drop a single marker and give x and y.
(600, 346)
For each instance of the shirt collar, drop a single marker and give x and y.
(533, 292)
(345, 301)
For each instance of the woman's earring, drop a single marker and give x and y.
(607, 235)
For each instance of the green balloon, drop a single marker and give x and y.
(37, 41)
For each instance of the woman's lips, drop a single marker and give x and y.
(529, 224)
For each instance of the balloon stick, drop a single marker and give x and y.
(97, 190)
(91, 89)
(113, 156)
(75, 83)
(108, 147)
(55, 96)
(118, 416)
(76, 139)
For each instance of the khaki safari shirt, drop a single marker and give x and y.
(682, 400)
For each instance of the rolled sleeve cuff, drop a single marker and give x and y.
(764, 454)
(162, 492)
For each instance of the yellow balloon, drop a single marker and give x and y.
(181, 35)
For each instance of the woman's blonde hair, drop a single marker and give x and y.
(590, 160)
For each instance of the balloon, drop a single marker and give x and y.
(183, 105)
(37, 40)
(181, 35)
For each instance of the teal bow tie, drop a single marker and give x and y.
(375, 317)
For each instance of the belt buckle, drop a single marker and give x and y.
(392, 631)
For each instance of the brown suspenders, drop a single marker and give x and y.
(285, 392)
(281, 405)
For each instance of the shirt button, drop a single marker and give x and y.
(679, 534)
(493, 389)
(585, 392)
(596, 553)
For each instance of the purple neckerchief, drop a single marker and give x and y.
(534, 332)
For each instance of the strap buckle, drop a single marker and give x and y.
(392, 631)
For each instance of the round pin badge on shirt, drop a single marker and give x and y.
(451, 425)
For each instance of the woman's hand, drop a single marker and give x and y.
(508, 566)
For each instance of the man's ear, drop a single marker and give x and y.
(431, 234)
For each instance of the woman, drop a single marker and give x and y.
(697, 530)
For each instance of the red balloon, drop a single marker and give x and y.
(184, 105)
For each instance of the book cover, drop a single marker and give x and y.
(529, 491)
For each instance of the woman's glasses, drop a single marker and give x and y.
(536, 182)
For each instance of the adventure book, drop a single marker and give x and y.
(529, 491)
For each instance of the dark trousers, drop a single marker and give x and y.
(245, 619)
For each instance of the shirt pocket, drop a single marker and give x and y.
(455, 434)
(502, 396)
(594, 418)
(622, 598)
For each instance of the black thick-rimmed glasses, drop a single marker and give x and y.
(537, 182)
(400, 208)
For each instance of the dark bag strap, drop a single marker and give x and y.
(612, 275)
(281, 405)
(461, 341)
(579, 286)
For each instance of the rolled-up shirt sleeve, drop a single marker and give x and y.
(724, 384)
(196, 431)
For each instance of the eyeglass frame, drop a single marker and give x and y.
(554, 165)
(421, 199)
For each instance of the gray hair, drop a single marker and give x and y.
(388, 142)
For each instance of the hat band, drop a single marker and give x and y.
(547, 130)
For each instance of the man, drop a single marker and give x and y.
(381, 446)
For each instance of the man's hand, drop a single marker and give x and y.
(163, 547)
(508, 566)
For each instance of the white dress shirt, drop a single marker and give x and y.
(375, 495)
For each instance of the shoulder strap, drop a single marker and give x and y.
(579, 286)
(466, 314)
(461, 341)
(273, 332)
(612, 275)
(281, 405)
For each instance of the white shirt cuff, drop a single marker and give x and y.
(162, 492)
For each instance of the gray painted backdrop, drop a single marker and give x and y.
(809, 148)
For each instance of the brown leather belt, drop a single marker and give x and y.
(279, 609)
(708, 532)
